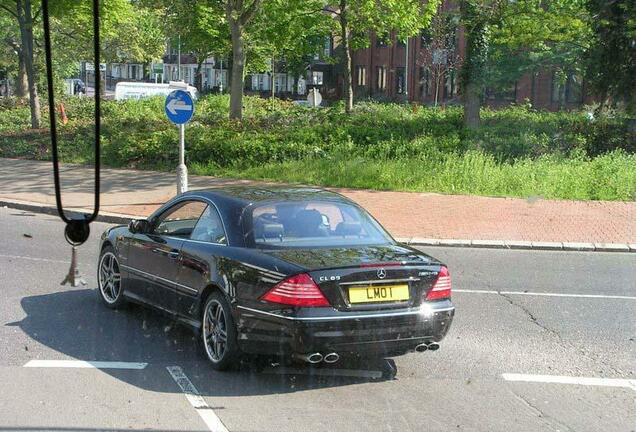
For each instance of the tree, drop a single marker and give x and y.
(506, 39)
(294, 32)
(26, 16)
(201, 27)
(441, 51)
(476, 15)
(11, 60)
(239, 14)
(611, 59)
(127, 32)
(533, 36)
(357, 18)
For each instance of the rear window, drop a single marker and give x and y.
(312, 224)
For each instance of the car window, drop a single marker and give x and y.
(180, 220)
(313, 223)
(209, 228)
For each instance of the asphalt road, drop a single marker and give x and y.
(562, 323)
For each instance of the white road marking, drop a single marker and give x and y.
(207, 414)
(594, 296)
(31, 258)
(585, 381)
(84, 364)
(325, 372)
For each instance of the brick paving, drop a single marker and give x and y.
(404, 214)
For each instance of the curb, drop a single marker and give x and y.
(52, 210)
(521, 245)
(412, 241)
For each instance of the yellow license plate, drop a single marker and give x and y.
(378, 293)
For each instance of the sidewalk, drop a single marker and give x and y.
(423, 218)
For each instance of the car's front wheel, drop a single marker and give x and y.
(109, 279)
(218, 332)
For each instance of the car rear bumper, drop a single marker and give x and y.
(372, 333)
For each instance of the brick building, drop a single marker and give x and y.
(426, 71)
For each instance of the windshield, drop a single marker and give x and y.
(312, 223)
(318, 215)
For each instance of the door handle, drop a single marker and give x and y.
(174, 253)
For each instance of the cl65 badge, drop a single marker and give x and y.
(328, 278)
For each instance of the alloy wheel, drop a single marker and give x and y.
(215, 331)
(109, 277)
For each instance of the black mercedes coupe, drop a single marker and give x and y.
(286, 271)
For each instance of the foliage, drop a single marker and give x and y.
(200, 25)
(531, 35)
(612, 56)
(507, 39)
(294, 31)
(517, 151)
(128, 32)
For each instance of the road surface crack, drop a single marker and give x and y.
(589, 355)
(560, 426)
(530, 315)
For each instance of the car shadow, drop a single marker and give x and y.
(76, 324)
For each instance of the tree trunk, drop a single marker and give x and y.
(198, 78)
(25, 19)
(346, 57)
(472, 103)
(22, 83)
(474, 63)
(238, 67)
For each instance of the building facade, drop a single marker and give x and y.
(426, 70)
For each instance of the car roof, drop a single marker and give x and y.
(242, 196)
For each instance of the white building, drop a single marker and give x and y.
(211, 73)
(127, 71)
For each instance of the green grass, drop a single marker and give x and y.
(608, 177)
(517, 152)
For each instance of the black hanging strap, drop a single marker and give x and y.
(77, 229)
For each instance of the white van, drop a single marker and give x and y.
(139, 90)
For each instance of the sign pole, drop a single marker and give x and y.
(406, 71)
(179, 109)
(182, 170)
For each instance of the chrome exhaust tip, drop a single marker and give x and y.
(331, 357)
(312, 358)
(433, 346)
(421, 347)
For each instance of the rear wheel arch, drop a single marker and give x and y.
(209, 289)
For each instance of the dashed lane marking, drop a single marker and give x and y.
(84, 364)
(540, 294)
(584, 381)
(206, 413)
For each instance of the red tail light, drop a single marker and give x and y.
(299, 290)
(442, 286)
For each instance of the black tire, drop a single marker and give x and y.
(218, 333)
(109, 284)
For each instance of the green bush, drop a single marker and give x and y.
(517, 151)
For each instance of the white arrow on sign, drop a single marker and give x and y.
(177, 105)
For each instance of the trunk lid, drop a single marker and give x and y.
(367, 277)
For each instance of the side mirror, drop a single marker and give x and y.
(139, 226)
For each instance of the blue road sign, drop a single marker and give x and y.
(179, 107)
